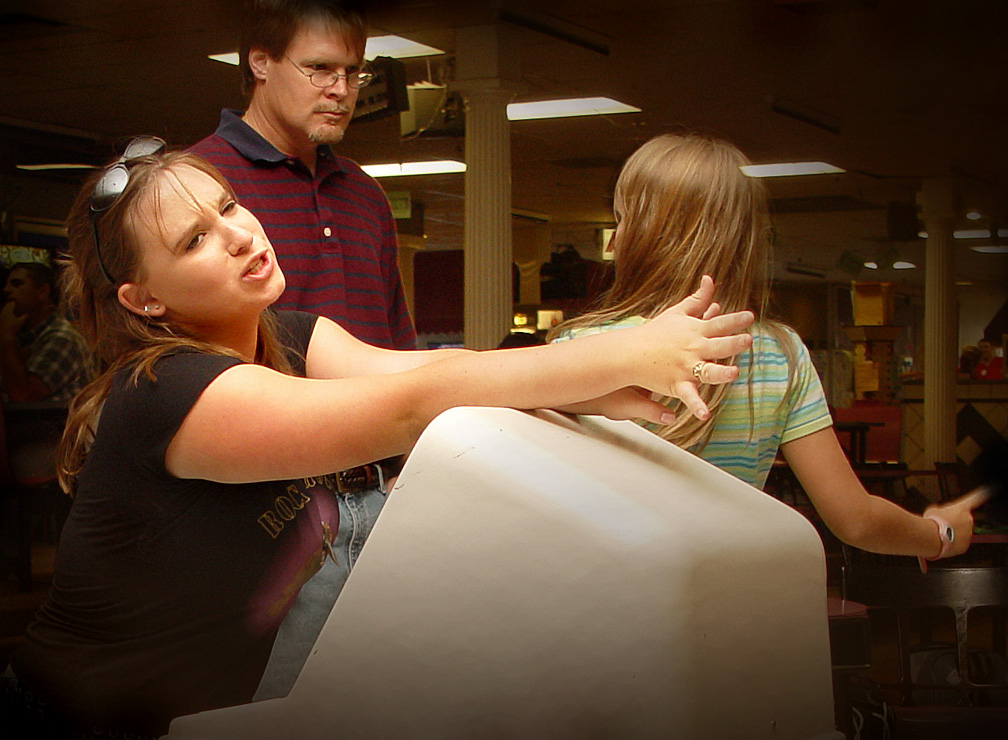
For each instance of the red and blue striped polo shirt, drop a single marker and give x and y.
(333, 232)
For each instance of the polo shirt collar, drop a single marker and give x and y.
(251, 145)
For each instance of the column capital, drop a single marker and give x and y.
(487, 88)
(488, 52)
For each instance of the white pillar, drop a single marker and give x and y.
(487, 63)
(937, 202)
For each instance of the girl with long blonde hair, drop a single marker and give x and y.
(684, 208)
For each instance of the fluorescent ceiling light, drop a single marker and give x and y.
(871, 265)
(230, 57)
(55, 166)
(992, 249)
(396, 169)
(788, 169)
(397, 47)
(977, 233)
(973, 215)
(903, 265)
(566, 108)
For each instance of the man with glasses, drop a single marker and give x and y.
(330, 223)
(302, 64)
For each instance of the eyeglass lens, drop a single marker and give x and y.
(109, 187)
(112, 184)
(325, 78)
(141, 147)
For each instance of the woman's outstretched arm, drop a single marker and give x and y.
(252, 423)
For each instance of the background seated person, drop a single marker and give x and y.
(989, 366)
(42, 356)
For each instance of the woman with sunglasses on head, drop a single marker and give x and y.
(201, 461)
(684, 208)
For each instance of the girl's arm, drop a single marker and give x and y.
(252, 423)
(861, 519)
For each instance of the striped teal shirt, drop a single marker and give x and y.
(745, 445)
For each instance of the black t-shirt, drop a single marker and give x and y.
(167, 593)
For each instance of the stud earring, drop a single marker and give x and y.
(146, 309)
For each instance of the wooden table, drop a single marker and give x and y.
(992, 544)
(888, 477)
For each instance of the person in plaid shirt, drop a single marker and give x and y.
(42, 356)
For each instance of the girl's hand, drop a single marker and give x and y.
(959, 515)
(692, 334)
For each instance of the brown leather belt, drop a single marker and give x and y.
(361, 478)
(372, 475)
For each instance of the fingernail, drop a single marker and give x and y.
(667, 418)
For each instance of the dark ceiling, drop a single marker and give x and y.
(893, 91)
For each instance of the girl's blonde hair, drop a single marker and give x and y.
(684, 209)
(118, 337)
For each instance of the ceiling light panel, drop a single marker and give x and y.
(566, 108)
(404, 169)
(790, 169)
(398, 48)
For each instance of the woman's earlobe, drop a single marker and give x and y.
(139, 301)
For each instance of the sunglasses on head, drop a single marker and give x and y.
(113, 182)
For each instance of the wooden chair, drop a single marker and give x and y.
(954, 479)
(943, 688)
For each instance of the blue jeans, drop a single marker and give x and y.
(302, 624)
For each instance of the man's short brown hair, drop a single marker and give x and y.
(271, 24)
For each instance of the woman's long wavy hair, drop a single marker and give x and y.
(118, 337)
(684, 209)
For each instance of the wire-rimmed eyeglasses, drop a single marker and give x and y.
(322, 78)
(113, 182)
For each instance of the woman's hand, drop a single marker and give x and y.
(623, 405)
(693, 335)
